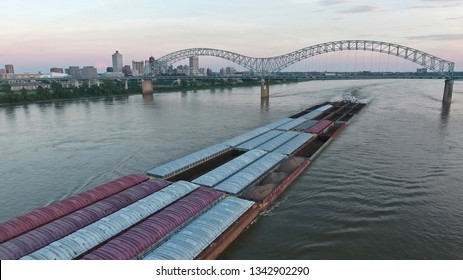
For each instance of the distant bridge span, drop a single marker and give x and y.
(268, 65)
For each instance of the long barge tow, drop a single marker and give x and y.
(189, 208)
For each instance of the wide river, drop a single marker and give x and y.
(390, 187)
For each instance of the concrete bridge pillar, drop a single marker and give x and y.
(126, 84)
(448, 89)
(98, 83)
(147, 87)
(264, 88)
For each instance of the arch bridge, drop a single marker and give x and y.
(269, 65)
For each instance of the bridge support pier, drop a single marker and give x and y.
(147, 87)
(448, 89)
(126, 84)
(264, 88)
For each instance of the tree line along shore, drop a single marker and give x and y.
(56, 91)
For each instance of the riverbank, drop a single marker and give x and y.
(57, 93)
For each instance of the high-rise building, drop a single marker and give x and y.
(127, 70)
(230, 71)
(182, 70)
(152, 65)
(56, 70)
(137, 67)
(88, 72)
(117, 62)
(73, 71)
(194, 65)
(9, 68)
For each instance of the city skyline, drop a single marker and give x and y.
(47, 34)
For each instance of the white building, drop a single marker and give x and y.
(194, 66)
(58, 75)
(117, 62)
(137, 68)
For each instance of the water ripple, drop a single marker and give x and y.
(388, 188)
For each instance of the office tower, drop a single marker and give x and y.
(127, 70)
(194, 65)
(9, 68)
(137, 67)
(56, 70)
(88, 72)
(117, 62)
(73, 71)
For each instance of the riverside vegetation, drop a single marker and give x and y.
(58, 92)
(112, 88)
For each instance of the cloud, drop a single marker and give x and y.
(438, 37)
(436, 4)
(431, 6)
(333, 2)
(454, 18)
(361, 9)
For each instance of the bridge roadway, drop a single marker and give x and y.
(299, 76)
(275, 76)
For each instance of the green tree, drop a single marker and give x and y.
(6, 88)
(183, 83)
(40, 94)
(57, 89)
(24, 95)
(9, 96)
(94, 90)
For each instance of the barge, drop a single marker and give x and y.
(189, 208)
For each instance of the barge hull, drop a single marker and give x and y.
(225, 239)
(275, 194)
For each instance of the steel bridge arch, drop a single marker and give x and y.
(268, 65)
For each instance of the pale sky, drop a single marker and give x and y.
(36, 35)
